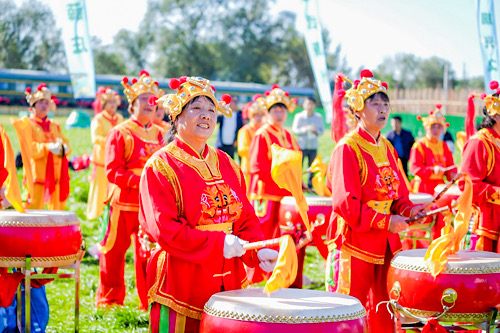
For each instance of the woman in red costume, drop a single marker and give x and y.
(193, 205)
(128, 147)
(44, 150)
(481, 161)
(430, 158)
(106, 118)
(256, 112)
(370, 202)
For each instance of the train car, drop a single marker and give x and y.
(13, 83)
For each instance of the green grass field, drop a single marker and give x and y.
(127, 318)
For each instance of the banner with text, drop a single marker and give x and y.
(488, 41)
(76, 39)
(316, 51)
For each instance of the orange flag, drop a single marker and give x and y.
(403, 173)
(318, 168)
(25, 137)
(451, 238)
(285, 271)
(286, 170)
(12, 191)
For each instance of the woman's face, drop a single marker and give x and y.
(277, 115)
(435, 131)
(159, 114)
(111, 106)
(258, 118)
(141, 109)
(197, 121)
(375, 114)
(42, 108)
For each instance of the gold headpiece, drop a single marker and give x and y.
(107, 94)
(277, 96)
(362, 89)
(145, 84)
(257, 105)
(187, 89)
(435, 117)
(350, 119)
(42, 92)
(492, 102)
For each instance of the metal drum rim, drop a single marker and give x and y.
(313, 201)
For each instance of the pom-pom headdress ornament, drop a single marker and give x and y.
(492, 107)
(435, 117)
(356, 96)
(187, 89)
(145, 84)
(42, 92)
(279, 96)
(104, 95)
(258, 105)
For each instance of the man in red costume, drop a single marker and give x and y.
(430, 158)
(481, 161)
(193, 204)
(370, 203)
(44, 150)
(128, 147)
(264, 192)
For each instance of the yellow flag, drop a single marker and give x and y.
(285, 271)
(24, 135)
(451, 238)
(318, 168)
(286, 171)
(12, 191)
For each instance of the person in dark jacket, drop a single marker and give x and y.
(402, 140)
(228, 130)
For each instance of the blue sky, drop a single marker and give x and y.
(368, 30)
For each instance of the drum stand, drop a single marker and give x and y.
(27, 283)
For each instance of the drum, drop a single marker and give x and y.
(52, 238)
(452, 194)
(320, 209)
(470, 285)
(420, 198)
(286, 310)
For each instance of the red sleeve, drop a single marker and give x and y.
(116, 171)
(260, 163)
(417, 166)
(3, 172)
(474, 160)
(347, 193)
(449, 161)
(158, 217)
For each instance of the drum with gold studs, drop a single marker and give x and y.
(286, 310)
(51, 238)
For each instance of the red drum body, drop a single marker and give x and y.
(470, 285)
(286, 310)
(320, 209)
(52, 238)
(449, 196)
(420, 198)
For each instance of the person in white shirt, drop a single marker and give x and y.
(308, 126)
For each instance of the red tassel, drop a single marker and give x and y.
(469, 117)
(143, 72)
(433, 326)
(153, 100)
(226, 98)
(339, 127)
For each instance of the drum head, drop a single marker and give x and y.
(420, 198)
(453, 190)
(284, 306)
(38, 217)
(312, 200)
(462, 262)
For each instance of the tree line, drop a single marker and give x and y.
(228, 40)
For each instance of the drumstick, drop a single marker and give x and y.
(429, 213)
(449, 168)
(261, 244)
(440, 194)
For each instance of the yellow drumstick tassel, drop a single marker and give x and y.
(285, 271)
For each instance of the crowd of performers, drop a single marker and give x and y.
(189, 208)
